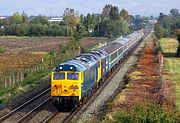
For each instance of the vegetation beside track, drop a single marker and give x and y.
(171, 69)
(145, 98)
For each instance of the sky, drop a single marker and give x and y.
(57, 7)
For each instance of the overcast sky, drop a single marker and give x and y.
(57, 7)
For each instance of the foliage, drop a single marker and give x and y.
(110, 23)
(124, 14)
(38, 29)
(98, 25)
(168, 25)
(145, 113)
(71, 19)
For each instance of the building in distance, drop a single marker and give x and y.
(55, 19)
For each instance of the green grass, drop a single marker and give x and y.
(171, 66)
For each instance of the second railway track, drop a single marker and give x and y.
(16, 115)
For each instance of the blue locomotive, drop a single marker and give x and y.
(74, 80)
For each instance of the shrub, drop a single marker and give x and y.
(145, 113)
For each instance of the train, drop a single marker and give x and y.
(75, 79)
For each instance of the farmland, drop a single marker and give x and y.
(24, 52)
(171, 69)
(16, 45)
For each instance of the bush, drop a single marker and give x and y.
(145, 113)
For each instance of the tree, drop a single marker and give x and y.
(124, 14)
(40, 19)
(75, 40)
(22, 29)
(114, 13)
(16, 18)
(174, 12)
(117, 28)
(56, 30)
(71, 19)
(106, 11)
(38, 29)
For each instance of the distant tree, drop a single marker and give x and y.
(22, 29)
(56, 30)
(89, 23)
(38, 29)
(124, 14)
(117, 28)
(2, 32)
(40, 19)
(114, 13)
(161, 15)
(25, 18)
(71, 19)
(16, 18)
(106, 11)
(174, 12)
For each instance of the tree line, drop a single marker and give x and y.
(169, 26)
(110, 23)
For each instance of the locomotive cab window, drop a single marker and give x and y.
(72, 76)
(59, 76)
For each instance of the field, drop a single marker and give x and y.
(16, 45)
(17, 61)
(171, 69)
(24, 52)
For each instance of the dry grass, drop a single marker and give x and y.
(168, 45)
(171, 69)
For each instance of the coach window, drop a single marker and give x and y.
(59, 76)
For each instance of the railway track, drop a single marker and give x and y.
(20, 113)
(69, 116)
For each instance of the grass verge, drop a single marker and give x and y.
(171, 68)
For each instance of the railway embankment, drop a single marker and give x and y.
(146, 97)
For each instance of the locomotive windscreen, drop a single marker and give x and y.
(72, 76)
(59, 76)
